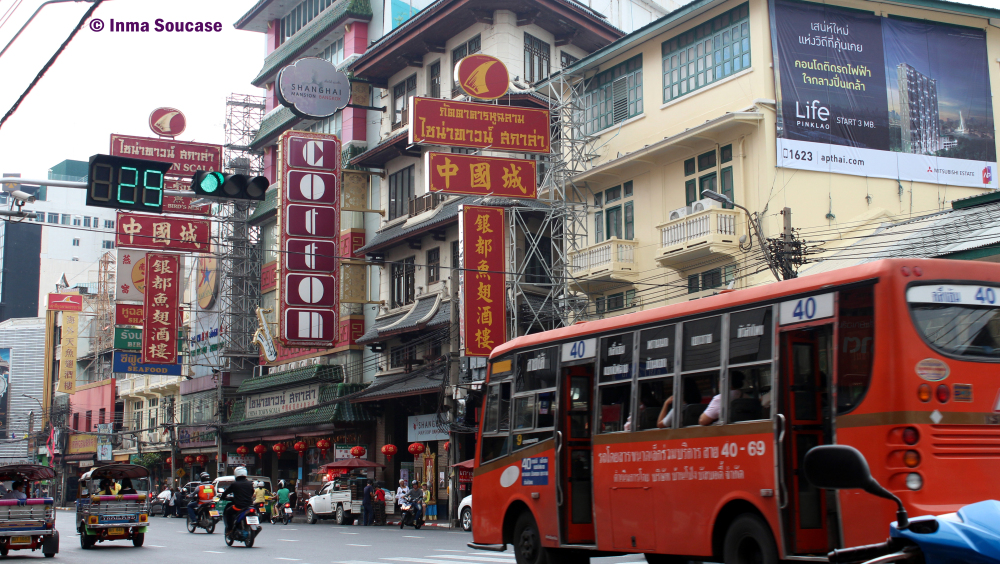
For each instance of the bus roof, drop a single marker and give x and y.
(729, 300)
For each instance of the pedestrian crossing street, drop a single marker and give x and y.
(446, 556)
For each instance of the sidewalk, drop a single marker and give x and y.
(300, 519)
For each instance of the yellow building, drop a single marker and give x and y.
(851, 114)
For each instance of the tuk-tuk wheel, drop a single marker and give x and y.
(137, 539)
(50, 554)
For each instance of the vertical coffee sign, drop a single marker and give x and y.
(309, 220)
(484, 310)
(161, 321)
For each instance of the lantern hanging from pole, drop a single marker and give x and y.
(388, 451)
(323, 445)
(167, 461)
(260, 450)
(416, 449)
(301, 446)
(242, 450)
(447, 446)
(279, 448)
(202, 459)
(358, 451)
(188, 459)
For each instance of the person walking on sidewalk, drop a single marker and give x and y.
(367, 508)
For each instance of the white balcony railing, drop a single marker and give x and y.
(708, 232)
(615, 257)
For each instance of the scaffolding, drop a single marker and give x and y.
(238, 242)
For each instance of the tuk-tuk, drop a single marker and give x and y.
(105, 513)
(28, 523)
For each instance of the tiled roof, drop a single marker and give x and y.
(287, 378)
(306, 37)
(266, 208)
(371, 335)
(274, 123)
(328, 412)
(427, 313)
(386, 144)
(425, 380)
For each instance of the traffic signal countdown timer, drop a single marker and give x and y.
(126, 184)
(229, 186)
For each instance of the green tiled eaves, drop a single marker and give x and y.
(300, 376)
(274, 123)
(341, 412)
(305, 37)
(268, 206)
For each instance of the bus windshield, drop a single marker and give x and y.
(958, 320)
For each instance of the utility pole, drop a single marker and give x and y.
(787, 272)
(454, 360)
(172, 429)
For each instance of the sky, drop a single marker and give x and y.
(107, 82)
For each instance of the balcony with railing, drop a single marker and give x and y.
(149, 384)
(611, 261)
(426, 202)
(697, 236)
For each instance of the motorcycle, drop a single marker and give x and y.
(286, 513)
(246, 527)
(971, 535)
(408, 516)
(208, 516)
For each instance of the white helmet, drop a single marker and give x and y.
(257, 484)
(241, 471)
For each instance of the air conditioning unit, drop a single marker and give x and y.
(702, 205)
(679, 213)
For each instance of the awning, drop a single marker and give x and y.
(77, 457)
(423, 381)
(202, 450)
(467, 464)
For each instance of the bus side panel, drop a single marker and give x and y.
(509, 481)
(663, 496)
(865, 518)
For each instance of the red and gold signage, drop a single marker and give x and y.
(159, 330)
(484, 311)
(65, 302)
(479, 176)
(268, 276)
(309, 222)
(434, 121)
(184, 157)
(482, 76)
(133, 314)
(182, 204)
(67, 352)
(140, 231)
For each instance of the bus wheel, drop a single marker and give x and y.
(749, 541)
(527, 543)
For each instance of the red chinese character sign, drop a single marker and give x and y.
(160, 325)
(140, 231)
(454, 173)
(309, 220)
(484, 306)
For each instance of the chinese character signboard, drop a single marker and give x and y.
(130, 275)
(184, 157)
(484, 312)
(130, 339)
(67, 352)
(309, 220)
(133, 314)
(82, 444)
(435, 121)
(65, 302)
(163, 275)
(454, 173)
(140, 231)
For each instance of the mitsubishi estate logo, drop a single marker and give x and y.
(988, 175)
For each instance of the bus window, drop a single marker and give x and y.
(536, 370)
(654, 406)
(616, 404)
(546, 410)
(616, 358)
(492, 421)
(524, 413)
(750, 393)
(656, 351)
(697, 391)
(750, 335)
(579, 409)
(702, 344)
(496, 424)
(856, 349)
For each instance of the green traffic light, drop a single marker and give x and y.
(210, 182)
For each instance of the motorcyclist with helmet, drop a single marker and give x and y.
(240, 493)
(416, 498)
(261, 497)
(205, 492)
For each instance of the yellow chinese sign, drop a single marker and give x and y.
(454, 173)
(68, 351)
(484, 314)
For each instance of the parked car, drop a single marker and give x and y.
(465, 513)
(334, 501)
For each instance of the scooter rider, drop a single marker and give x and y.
(240, 493)
(416, 497)
(205, 493)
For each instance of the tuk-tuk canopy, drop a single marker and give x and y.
(116, 472)
(31, 472)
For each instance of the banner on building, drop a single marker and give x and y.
(160, 326)
(484, 308)
(281, 401)
(4, 391)
(875, 96)
(67, 351)
(65, 302)
(80, 443)
(309, 222)
(453, 173)
(185, 157)
(104, 453)
(130, 275)
(159, 233)
(129, 363)
(435, 121)
(196, 437)
(133, 314)
(422, 428)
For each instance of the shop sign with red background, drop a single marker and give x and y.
(309, 219)
(454, 173)
(132, 314)
(65, 302)
(434, 121)
(185, 157)
(182, 204)
(140, 231)
(482, 76)
(162, 299)
(484, 306)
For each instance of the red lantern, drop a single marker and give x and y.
(167, 461)
(323, 445)
(447, 446)
(260, 450)
(188, 459)
(242, 450)
(301, 446)
(202, 459)
(279, 448)
(416, 449)
(388, 451)
(358, 451)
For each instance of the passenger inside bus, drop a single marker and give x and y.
(693, 397)
(714, 409)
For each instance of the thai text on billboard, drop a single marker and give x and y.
(281, 401)
(468, 124)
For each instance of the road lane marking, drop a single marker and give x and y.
(343, 533)
(447, 550)
(155, 546)
(349, 544)
(289, 540)
(291, 559)
(476, 558)
(427, 560)
(411, 537)
(213, 552)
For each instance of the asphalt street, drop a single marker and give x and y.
(168, 542)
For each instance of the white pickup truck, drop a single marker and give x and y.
(333, 501)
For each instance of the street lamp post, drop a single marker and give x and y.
(755, 222)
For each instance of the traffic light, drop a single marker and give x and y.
(229, 186)
(125, 183)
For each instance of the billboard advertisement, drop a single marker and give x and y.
(882, 97)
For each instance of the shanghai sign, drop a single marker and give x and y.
(468, 124)
(163, 281)
(184, 157)
(137, 231)
(482, 76)
(454, 173)
(484, 312)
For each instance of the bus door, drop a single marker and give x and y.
(575, 495)
(805, 358)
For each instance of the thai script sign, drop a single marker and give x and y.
(184, 157)
(281, 401)
(131, 363)
(132, 314)
(454, 173)
(435, 121)
(140, 231)
(65, 302)
(872, 96)
(130, 339)
(484, 312)
(82, 444)
(163, 275)
(67, 352)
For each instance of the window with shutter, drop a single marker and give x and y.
(614, 95)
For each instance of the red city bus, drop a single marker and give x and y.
(679, 432)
